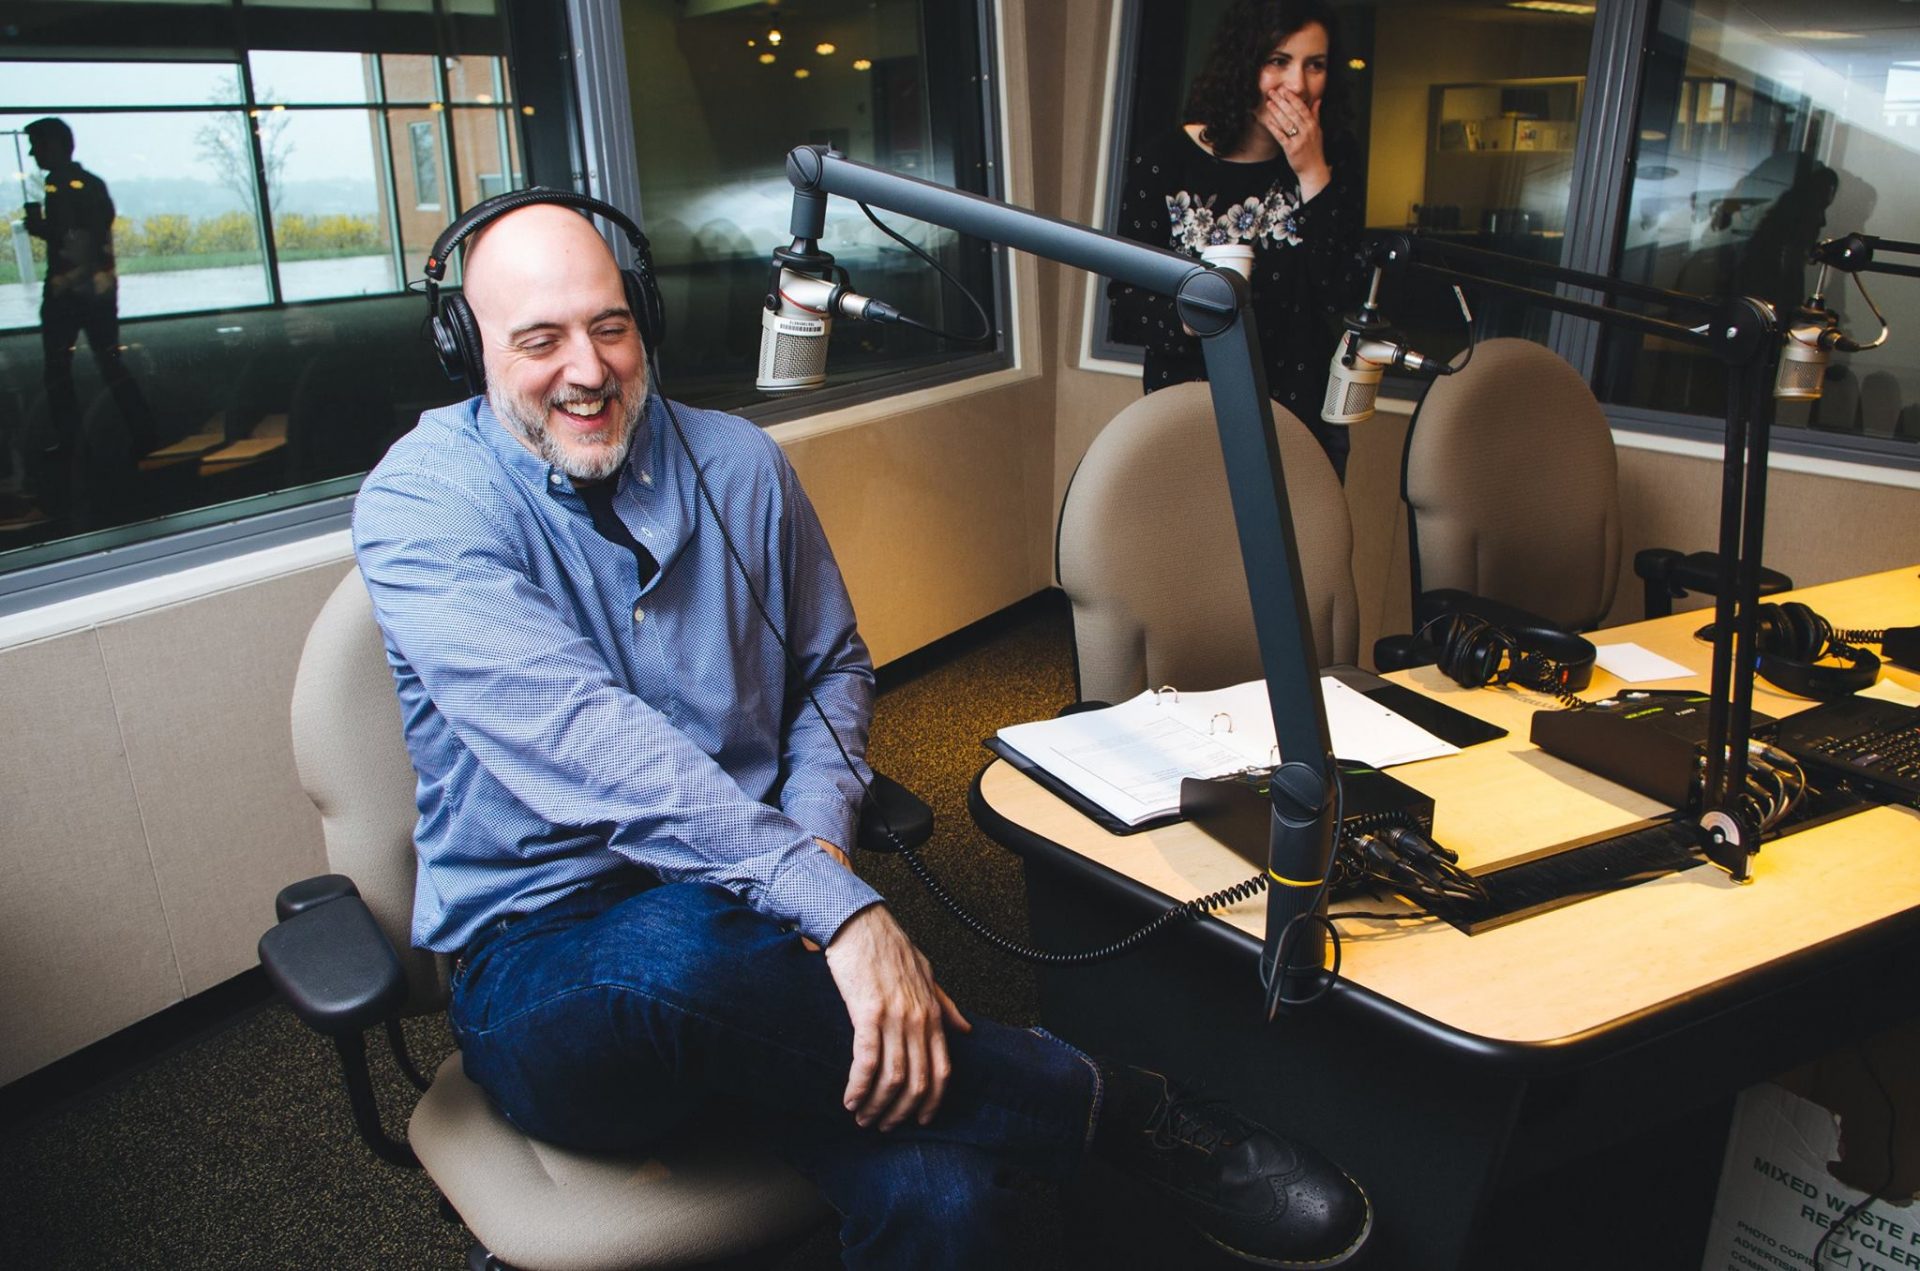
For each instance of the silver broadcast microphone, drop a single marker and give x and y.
(1804, 357)
(795, 324)
(1359, 361)
(1365, 352)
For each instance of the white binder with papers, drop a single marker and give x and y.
(1129, 759)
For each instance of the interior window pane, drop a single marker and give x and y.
(203, 388)
(476, 79)
(186, 230)
(308, 4)
(484, 152)
(1759, 137)
(743, 85)
(420, 182)
(409, 77)
(311, 77)
(331, 228)
(52, 86)
(1464, 117)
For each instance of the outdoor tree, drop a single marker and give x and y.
(223, 143)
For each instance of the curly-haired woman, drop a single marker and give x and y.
(1264, 161)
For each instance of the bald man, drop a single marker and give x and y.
(633, 820)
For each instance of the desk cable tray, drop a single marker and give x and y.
(1234, 812)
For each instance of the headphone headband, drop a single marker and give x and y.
(451, 326)
(489, 210)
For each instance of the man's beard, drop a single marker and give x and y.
(529, 421)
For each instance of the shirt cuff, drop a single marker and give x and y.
(824, 816)
(816, 893)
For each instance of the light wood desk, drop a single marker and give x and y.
(1691, 976)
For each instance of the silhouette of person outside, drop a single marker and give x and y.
(82, 289)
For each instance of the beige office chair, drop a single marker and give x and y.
(531, 1205)
(1149, 557)
(1513, 488)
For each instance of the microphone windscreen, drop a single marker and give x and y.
(1803, 369)
(1350, 396)
(793, 352)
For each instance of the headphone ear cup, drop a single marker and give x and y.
(456, 337)
(1808, 632)
(643, 298)
(1470, 651)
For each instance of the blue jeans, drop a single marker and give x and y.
(606, 1020)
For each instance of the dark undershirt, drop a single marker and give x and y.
(598, 496)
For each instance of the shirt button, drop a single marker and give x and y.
(639, 613)
(554, 478)
(646, 478)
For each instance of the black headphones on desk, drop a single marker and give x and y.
(451, 325)
(1475, 652)
(1791, 640)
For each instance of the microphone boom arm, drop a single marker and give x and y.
(1215, 304)
(1746, 334)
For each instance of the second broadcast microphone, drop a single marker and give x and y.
(1358, 363)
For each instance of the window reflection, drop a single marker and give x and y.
(330, 224)
(200, 382)
(717, 104)
(1755, 143)
(1467, 116)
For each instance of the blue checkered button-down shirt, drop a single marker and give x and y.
(564, 721)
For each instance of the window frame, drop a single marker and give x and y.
(613, 175)
(579, 137)
(1616, 68)
(101, 560)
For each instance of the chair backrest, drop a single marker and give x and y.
(1513, 487)
(1148, 554)
(351, 752)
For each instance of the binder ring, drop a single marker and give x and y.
(1217, 717)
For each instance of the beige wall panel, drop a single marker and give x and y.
(938, 518)
(83, 939)
(202, 691)
(1818, 528)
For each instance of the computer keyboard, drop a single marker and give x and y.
(1891, 750)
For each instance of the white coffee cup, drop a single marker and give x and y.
(1235, 256)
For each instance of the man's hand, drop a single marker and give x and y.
(900, 1063)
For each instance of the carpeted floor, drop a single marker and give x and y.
(233, 1148)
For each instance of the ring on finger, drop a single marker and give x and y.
(1291, 132)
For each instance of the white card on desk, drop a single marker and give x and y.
(1638, 665)
(1890, 691)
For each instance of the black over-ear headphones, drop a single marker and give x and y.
(455, 334)
(1475, 652)
(1790, 640)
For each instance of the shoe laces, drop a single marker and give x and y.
(1205, 1125)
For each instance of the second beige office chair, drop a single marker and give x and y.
(1149, 557)
(1513, 488)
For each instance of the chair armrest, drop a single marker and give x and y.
(308, 892)
(332, 963)
(893, 819)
